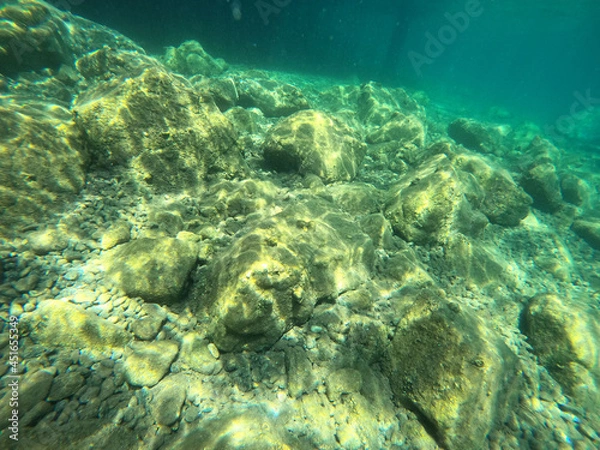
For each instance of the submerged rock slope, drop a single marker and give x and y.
(233, 258)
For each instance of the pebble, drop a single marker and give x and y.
(15, 309)
(26, 284)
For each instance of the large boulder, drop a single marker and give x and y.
(191, 59)
(503, 201)
(540, 177)
(273, 98)
(271, 278)
(42, 162)
(454, 372)
(565, 335)
(156, 270)
(588, 229)
(58, 324)
(430, 203)
(475, 136)
(153, 122)
(35, 35)
(316, 143)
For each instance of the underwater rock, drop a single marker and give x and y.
(343, 381)
(445, 365)
(503, 201)
(475, 136)
(249, 121)
(429, 204)
(271, 277)
(403, 268)
(479, 264)
(146, 363)
(33, 36)
(314, 142)
(273, 98)
(167, 399)
(405, 130)
(356, 199)
(190, 59)
(376, 105)
(588, 229)
(42, 165)
(574, 190)
(65, 385)
(195, 354)
(540, 178)
(156, 124)
(118, 233)
(60, 324)
(155, 269)
(32, 389)
(378, 228)
(47, 240)
(565, 335)
(146, 328)
(299, 369)
(250, 429)
(222, 91)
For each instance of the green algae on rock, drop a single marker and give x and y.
(273, 98)
(565, 335)
(190, 59)
(146, 363)
(154, 123)
(155, 269)
(429, 204)
(60, 324)
(42, 162)
(271, 278)
(312, 142)
(588, 229)
(454, 372)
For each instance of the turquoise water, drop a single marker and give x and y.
(287, 224)
(528, 57)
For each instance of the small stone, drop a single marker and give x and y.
(117, 234)
(168, 400)
(148, 362)
(71, 275)
(46, 241)
(27, 283)
(65, 385)
(147, 328)
(15, 309)
(196, 355)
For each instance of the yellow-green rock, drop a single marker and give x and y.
(60, 324)
(146, 363)
(312, 142)
(155, 269)
(445, 364)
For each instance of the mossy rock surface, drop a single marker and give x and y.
(565, 335)
(154, 123)
(312, 142)
(456, 374)
(271, 278)
(155, 269)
